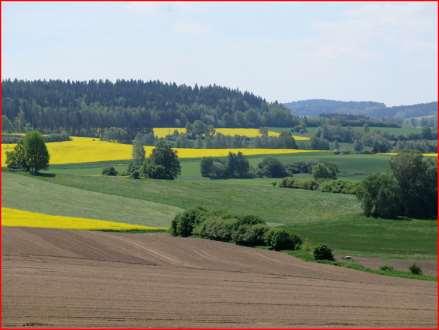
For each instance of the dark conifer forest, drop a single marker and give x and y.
(86, 107)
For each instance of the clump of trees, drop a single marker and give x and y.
(235, 166)
(247, 230)
(409, 190)
(163, 163)
(29, 155)
(271, 168)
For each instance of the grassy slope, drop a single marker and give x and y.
(359, 235)
(27, 193)
(255, 196)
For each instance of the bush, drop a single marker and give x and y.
(109, 171)
(250, 220)
(415, 269)
(216, 228)
(184, 223)
(323, 252)
(250, 235)
(135, 174)
(279, 239)
(324, 171)
(386, 268)
(271, 168)
(295, 183)
(339, 187)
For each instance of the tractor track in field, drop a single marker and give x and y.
(56, 278)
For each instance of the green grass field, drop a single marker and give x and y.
(333, 219)
(29, 193)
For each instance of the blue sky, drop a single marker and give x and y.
(280, 51)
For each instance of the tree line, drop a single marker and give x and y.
(87, 107)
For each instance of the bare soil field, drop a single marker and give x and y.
(95, 279)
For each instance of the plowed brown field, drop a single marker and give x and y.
(96, 279)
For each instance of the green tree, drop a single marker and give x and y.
(271, 168)
(380, 196)
(16, 159)
(163, 163)
(35, 152)
(237, 166)
(416, 178)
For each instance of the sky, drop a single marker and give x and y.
(385, 52)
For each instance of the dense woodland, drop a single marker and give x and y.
(86, 107)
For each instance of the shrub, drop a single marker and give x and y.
(415, 269)
(250, 220)
(135, 174)
(295, 183)
(250, 235)
(216, 228)
(109, 171)
(386, 268)
(279, 239)
(339, 186)
(324, 171)
(184, 223)
(323, 252)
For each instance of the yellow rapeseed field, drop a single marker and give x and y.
(89, 150)
(162, 132)
(429, 154)
(20, 218)
(248, 132)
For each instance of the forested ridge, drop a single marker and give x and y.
(371, 109)
(85, 107)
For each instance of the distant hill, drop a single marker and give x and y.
(372, 109)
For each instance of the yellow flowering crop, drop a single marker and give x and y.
(20, 218)
(198, 153)
(248, 132)
(89, 150)
(162, 132)
(429, 154)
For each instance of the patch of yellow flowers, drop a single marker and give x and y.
(20, 218)
(89, 150)
(248, 132)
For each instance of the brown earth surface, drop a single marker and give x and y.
(95, 279)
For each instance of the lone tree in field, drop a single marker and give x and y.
(162, 164)
(30, 154)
